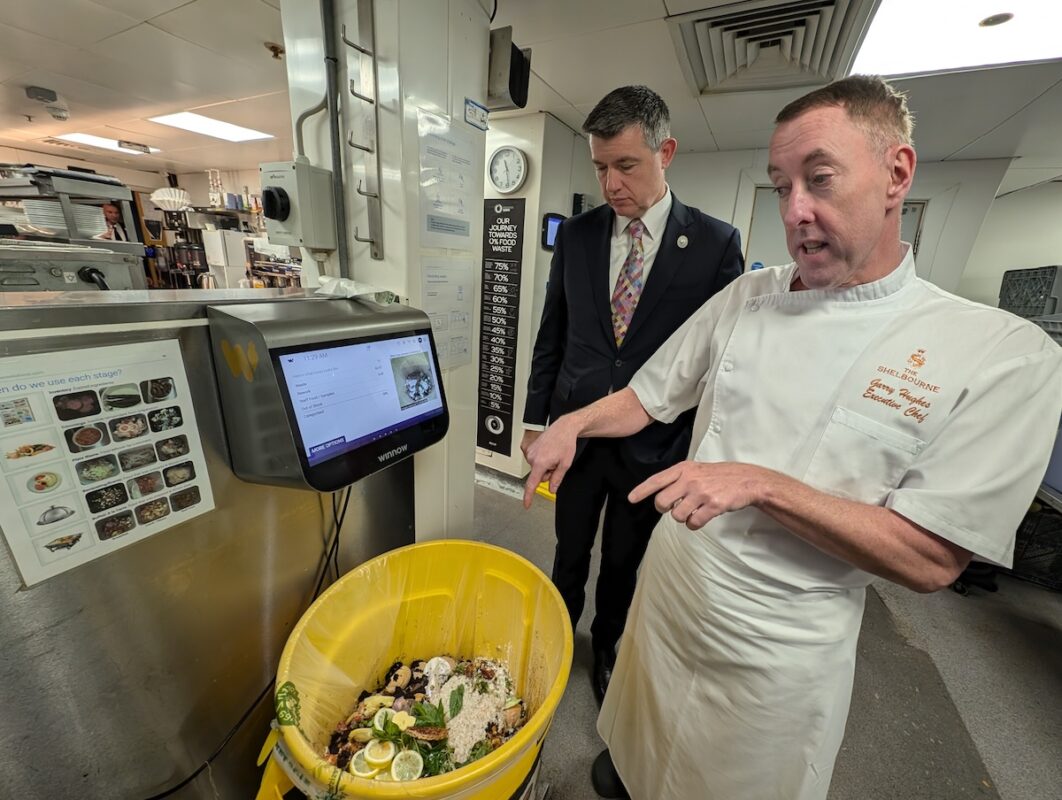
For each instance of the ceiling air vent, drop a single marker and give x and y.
(769, 44)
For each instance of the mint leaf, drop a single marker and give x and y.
(457, 701)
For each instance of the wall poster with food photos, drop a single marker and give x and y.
(99, 448)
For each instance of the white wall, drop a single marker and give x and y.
(960, 194)
(133, 178)
(1022, 230)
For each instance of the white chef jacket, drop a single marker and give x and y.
(734, 675)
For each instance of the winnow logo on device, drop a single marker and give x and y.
(392, 453)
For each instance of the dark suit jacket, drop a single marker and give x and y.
(576, 360)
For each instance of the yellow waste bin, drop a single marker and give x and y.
(461, 598)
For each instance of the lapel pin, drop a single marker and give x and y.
(683, 241)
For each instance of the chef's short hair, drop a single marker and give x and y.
(871, 103)
(631, 105)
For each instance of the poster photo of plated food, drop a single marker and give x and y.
(99, 448)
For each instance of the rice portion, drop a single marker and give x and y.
(483, 703)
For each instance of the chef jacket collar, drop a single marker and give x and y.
(903, 275)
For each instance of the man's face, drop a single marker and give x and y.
(839, 197)
(631, 175)
(111, 214)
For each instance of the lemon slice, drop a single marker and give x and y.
(360, 767)
(382, 717)
(362, 735)
(407, 766)
(384, 775)
(379, 753)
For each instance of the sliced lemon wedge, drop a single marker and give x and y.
(363, 735)
(381, 718)
(379, 753)
(407, 766)
(360, 768)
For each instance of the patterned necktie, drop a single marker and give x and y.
(629, 284)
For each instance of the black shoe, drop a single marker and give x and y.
(605, 779)
(604, 661)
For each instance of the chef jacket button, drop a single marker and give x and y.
(716, 427)
(619, 362)
(728, 366)
(753, 306)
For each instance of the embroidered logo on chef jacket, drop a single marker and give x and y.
(902, 389)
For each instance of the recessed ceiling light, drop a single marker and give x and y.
(918, 37)
(197, 123)
(101, 142)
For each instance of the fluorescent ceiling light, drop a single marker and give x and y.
(197, 123)
(919, 36)
(99, 141)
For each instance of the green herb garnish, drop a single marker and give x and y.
(457, 701)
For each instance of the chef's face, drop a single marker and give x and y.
(840, 196)
(631, 175)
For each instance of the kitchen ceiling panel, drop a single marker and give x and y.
(142, 10)
(985, 113)
(76, 22)
(269, 113)
(237, 29)
(546, 20)
(732, 112)
(168, 58)
(235, 155)
(584, 68)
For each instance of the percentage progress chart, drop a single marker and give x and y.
(503, 233)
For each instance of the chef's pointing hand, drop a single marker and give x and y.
(549, 455)
(695, 492)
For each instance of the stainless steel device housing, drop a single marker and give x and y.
(120, 678)
(259, 429)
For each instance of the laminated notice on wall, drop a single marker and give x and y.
(450, 184)
(99, 448)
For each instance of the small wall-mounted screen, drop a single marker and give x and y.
(347, 396)
(550, 225)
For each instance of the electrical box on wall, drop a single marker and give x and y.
(297, 205)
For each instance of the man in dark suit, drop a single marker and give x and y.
(624, 277)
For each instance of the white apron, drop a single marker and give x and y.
(735, 672)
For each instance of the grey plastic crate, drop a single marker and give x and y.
(1053, 326)
(1031, 292)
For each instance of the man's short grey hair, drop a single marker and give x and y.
(631, 105)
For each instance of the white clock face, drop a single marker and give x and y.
(508, 169)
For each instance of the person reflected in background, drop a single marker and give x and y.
(624, 277)
(112, 215)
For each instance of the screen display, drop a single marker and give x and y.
(346, 396)
(550, 225)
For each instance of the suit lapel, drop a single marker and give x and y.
(598, 258)
(668, 261)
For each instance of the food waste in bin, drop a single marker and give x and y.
(428, 718)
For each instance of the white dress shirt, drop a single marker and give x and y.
(655, 221)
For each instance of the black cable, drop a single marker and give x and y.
(331, 557)
(220, 747)
(495, 11)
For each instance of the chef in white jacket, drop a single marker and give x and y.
(852, 421)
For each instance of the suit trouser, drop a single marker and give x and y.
(598, 479)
